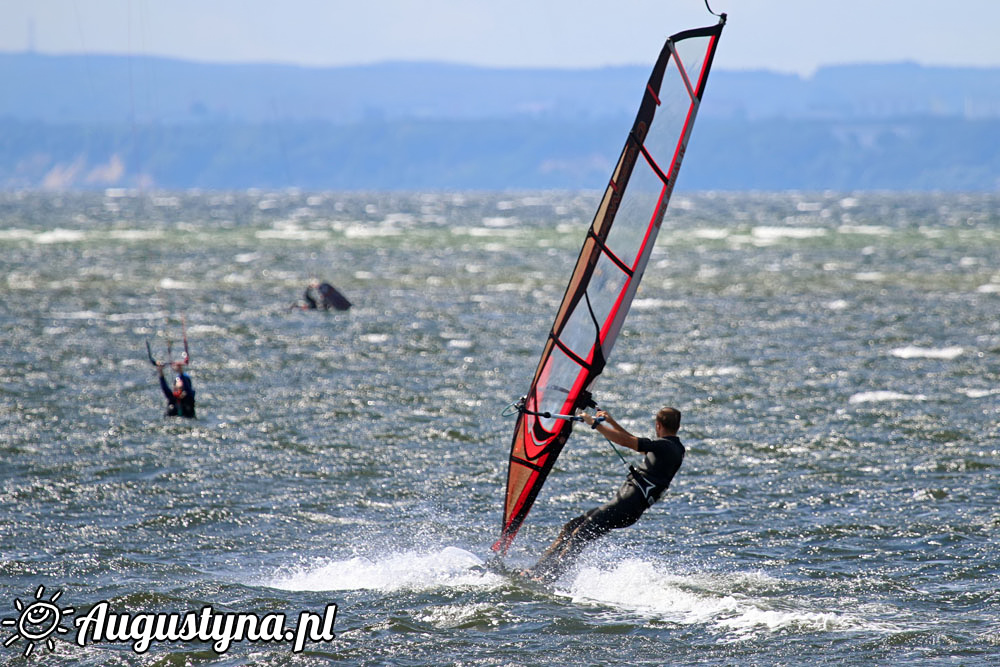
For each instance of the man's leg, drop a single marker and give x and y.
(623, 511)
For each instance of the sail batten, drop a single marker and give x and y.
(609, 268)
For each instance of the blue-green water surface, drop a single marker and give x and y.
(836, 357)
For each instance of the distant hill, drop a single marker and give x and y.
(98, 121)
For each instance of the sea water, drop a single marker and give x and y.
(836, 357)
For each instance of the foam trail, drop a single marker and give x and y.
(742, 604)
(410, 570)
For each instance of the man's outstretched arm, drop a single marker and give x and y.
(612, 430)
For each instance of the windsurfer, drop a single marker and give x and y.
(642, 488)
(329, 297)
(180, 399)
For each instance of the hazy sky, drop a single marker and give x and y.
(783, 35)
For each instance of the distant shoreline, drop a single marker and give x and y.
(89, 122)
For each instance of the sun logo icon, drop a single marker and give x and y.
(38, 621)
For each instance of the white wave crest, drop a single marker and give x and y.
(768, 235)
(59, 235)
(292, 234)
(883, 396)
(725, 600)
(914, 352)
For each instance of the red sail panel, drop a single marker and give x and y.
(609, 268)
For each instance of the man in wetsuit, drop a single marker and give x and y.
(641, 489)
(180, 400)
(309, 299)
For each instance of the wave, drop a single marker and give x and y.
(767, 235)
(409, 570)
(914, 352)
(739, 604)
(882, 396)
(744, 604)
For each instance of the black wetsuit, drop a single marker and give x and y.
(179, 407)
(641, 489)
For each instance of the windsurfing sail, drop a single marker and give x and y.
(610, 266)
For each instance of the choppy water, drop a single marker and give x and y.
(837, 359)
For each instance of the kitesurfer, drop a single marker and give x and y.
(180, 399)
(309, 299)
(641, 489)
(329, 297)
